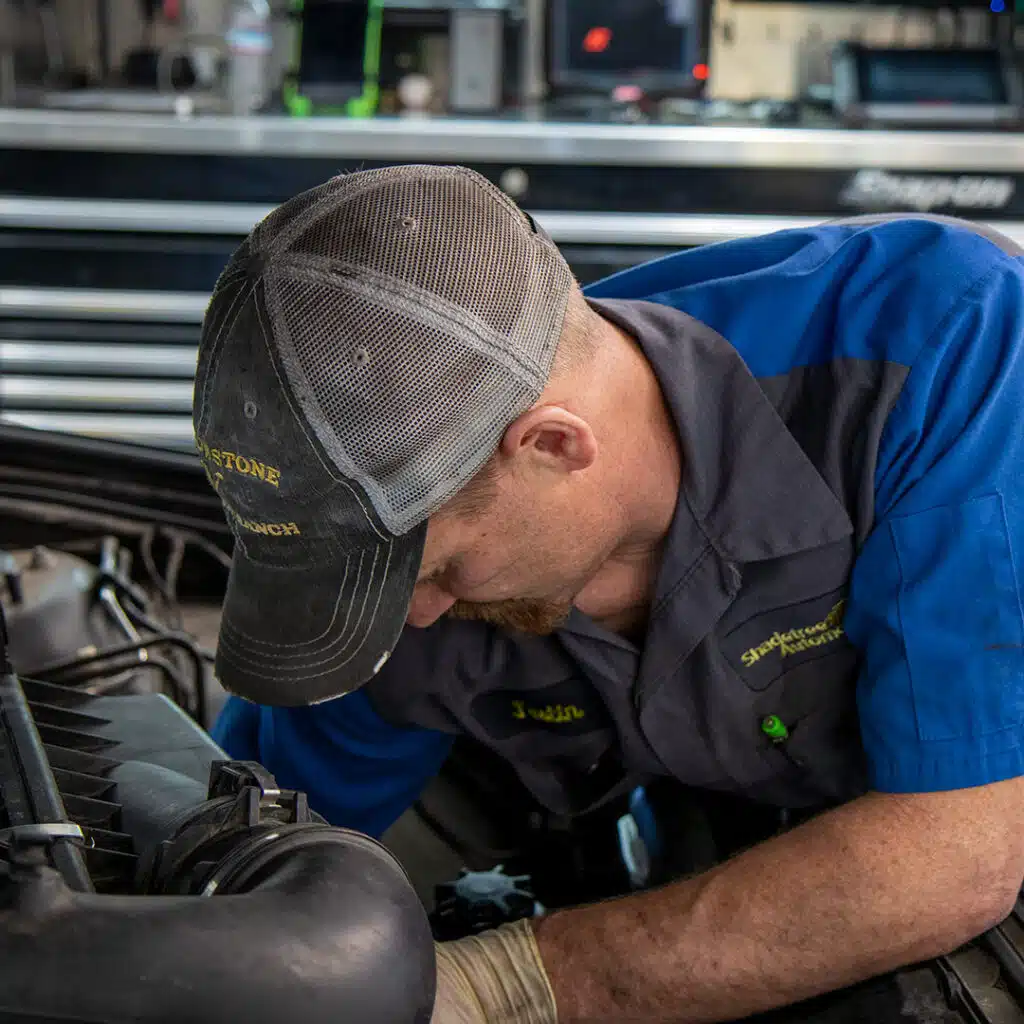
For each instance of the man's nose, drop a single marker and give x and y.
(429, 603)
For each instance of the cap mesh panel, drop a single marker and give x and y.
(440, 235)
(416, 422)
(400, 418)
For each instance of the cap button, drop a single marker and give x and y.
(255, 264)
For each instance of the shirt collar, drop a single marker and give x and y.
(748, 488)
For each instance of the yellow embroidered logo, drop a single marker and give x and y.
(235, 463)
(793, 641)
(266, 529)
(557, 714)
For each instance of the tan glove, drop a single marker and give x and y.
(493, 978)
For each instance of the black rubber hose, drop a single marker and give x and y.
(66, 664)
(181, 640)
(77, 669)
(332, 931)
(180, 693)
(154, 801)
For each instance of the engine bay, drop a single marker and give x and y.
(162, 881)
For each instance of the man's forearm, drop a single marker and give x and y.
(879, 883)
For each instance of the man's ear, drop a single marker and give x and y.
(551, 437)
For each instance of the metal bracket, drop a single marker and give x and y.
(234, 778)
(228, 778)
(42, 834)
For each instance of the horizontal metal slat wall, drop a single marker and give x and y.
(118, 361)
(101, 363)
(107, 253)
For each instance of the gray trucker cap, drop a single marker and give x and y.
(361, 357)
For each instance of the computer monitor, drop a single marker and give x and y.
(654, 45)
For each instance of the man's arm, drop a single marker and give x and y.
(887, 880)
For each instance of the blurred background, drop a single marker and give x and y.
(139, 141)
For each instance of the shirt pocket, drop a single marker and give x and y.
(559, 738)
(819, 757)
(960, 618)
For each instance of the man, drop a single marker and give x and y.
(752, 513)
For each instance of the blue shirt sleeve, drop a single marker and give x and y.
(935, 599)
(358, 770)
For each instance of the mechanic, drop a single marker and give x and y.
(750, 516)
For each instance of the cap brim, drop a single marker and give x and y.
(295, 637)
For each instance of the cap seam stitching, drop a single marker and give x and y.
(349, 653)
(483, 185)
(286, 390)
(232, 629)
(305, 219)
(234, 311)
(415, 298)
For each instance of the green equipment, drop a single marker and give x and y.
(336, 64)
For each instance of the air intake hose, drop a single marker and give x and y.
(255, 911)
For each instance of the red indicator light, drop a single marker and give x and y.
(597, 40)
(700, 72)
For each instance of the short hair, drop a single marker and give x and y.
(576, 344)
(575, 347)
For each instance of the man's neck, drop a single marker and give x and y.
(620, 594)
(646, 488)
(619, 597)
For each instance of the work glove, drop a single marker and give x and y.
(493, 978)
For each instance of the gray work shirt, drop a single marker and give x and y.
(746, 622)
